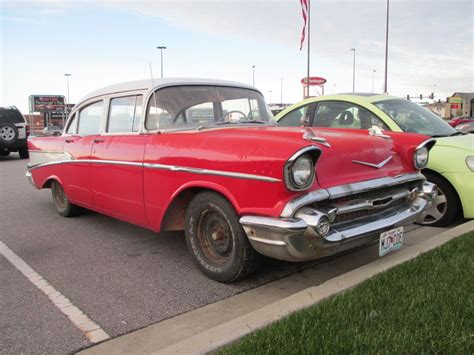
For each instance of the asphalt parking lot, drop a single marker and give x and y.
(122, 276)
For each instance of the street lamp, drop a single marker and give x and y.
(334, 88)
(161, 54)
(373, 80)
(253, 75)
(67, 75)
(270, 96)
(281, 91)
(385, 87)
(353, 69)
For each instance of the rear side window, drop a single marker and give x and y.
(125, 114)
(11, 116)
(89, 119)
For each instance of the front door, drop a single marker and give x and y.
(117, 162)
(80, 134)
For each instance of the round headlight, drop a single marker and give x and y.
(302, 171)
(420, 158)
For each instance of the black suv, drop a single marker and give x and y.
(14, 131)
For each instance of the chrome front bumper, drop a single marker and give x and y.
(296, 238)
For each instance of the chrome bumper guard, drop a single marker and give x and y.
(299, 238)
(29, 177)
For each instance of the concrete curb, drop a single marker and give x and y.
(235, 329)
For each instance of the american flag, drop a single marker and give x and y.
(304, 11)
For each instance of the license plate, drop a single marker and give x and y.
(390, 240)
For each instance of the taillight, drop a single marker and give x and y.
(27, 130)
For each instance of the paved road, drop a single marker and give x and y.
(123, 277)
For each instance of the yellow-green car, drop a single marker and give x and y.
(451, 162)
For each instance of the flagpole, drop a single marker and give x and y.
(309, 47)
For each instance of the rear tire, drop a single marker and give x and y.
(217, 241)
(24, 154)
(446, 208)
(61, 202)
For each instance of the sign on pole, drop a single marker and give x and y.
(313, 81)
(46, 103)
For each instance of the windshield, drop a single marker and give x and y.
(182, 107)
(414, 118)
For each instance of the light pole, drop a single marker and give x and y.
(373, 80)
(253, 75)
(334, 88)
(281, 91)
(161, 53)
(270, 96)
(67, 84)
(67, 75)
(385, 87)
(353, 69)
(434, 90)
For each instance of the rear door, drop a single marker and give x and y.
(117, 161)
(81, 131)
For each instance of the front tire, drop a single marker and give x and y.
(217, 241)
(445, 209)
(24, 154)
(61, 202)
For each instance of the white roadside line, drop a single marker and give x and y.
(91, 330)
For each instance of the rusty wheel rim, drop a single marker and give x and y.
(60, 196)
(214, 237)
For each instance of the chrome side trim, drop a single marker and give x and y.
(377, 166)
(210, 172)
(199, 171)
(338, 191)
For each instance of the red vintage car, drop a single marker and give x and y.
(205, 156)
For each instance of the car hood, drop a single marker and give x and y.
(465, 142)
(349, 155)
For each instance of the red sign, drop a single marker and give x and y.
(455, 106)
(47, 103)
(313, 80)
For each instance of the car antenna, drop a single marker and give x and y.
(154, 95)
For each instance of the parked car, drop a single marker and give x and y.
(451, 165)
(458, 120)
(237, 185)
(466, 127)
(14, 131)
(52, 131)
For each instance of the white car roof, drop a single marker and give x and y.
(151, 84)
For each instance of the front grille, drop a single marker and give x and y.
(349, 216)
(377, 199)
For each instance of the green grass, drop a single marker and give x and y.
(425, 305)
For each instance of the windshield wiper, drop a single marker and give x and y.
(456, 134)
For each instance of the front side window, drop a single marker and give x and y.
(294, 118)
(125, 114)
(72, 128)
(340, 114)
(183, 107)
(89, 119)
(414, 118)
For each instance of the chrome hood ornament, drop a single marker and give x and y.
(377, 166)
(310, 136)
(377, 131)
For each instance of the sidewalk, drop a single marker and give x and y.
(214, 325)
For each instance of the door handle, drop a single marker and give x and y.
(69, 140)
(98, 140)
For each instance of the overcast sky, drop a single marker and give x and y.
(102, 43)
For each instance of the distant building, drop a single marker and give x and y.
(461, 104)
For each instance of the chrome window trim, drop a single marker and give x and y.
(119, 95)
(344, 190)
